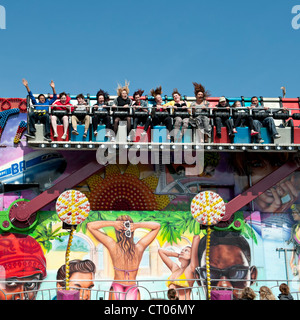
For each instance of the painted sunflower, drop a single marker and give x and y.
(125, 191)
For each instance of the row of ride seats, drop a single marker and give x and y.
(289, 134)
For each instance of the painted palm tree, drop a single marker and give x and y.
(44, 234)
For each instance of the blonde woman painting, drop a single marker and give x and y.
(125, 254)
(182, 275)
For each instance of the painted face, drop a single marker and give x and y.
(83, 282)
(296, 215)
(185, 253)
(259, 169)
(24, 289)
(280, 196)
(227, 265)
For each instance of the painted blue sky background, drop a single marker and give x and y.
(232, 47)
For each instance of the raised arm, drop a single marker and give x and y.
(165, 256)
(52, 85)
(194, 253)
(292, 263)
(147, 239)
(95, 226)
(25, 83)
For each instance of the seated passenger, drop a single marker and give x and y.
(200, 121)
(160, 112)
(139, 105)
(81, 115)
(242, 118)
(63, 105)
(101, 105)
(181, 114)
(122, 103)
(267, 122)
(41, 111)
(222, 115)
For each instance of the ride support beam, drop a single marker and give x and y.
(260, 187)
(22, 212)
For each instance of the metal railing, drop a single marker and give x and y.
(279, 113)
(192, 138)
(148, 289)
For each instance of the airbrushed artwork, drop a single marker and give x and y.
(142, 233)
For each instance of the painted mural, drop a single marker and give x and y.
(140, 227)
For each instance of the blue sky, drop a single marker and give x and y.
(232, 47)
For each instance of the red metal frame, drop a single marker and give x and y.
(24, 212)
(260, 187)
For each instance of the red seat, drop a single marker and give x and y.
(292, 103)
(213, 101)
(60, 132)
(296, 135)
(146, 138)
(224, 136)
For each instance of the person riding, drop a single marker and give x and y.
(101, 105)
(40, 112)
(181, 114)
(200, 111)
(160, 112)
(64, 106)
(122, 104)
(140, 111)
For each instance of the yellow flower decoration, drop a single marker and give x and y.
(125, 191)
